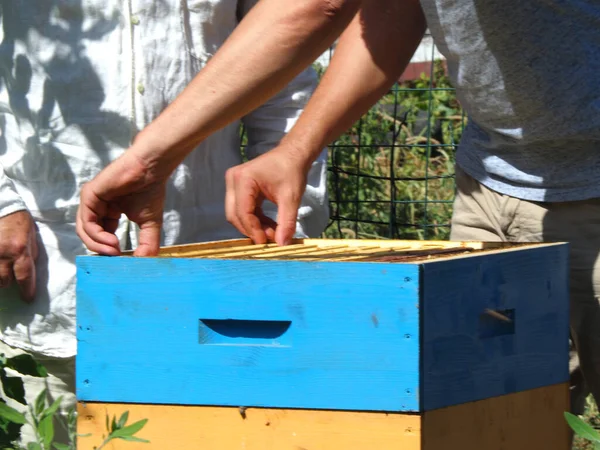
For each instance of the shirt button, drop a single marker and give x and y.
(135, 20)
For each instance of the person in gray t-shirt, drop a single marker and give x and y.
(528, 165)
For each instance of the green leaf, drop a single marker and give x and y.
(53, 408)
(61, 446)
(107, 425)
(13, 387)
(26, 365)
(46, 430)
(133, 439)
(11, 414)
(10, 432)
(40, 402)
(114, 423)
(34, 446)
(129, 430)
(123, 419)
(581, 428)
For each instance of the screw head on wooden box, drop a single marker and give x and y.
(394, 326)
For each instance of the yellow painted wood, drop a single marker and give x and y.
(526, 420)
(523, 421)
(208, 428)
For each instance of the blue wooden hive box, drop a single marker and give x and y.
(390, 327)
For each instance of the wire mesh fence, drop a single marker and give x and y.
(392, 174)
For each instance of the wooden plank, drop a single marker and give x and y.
(305, 335)
(216, 428)
(315, 249)
(234, 244)
(523, 421)
(470, 355)
(189, 249)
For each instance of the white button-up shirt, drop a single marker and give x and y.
(78, 79)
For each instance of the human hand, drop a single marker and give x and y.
(278, 176)
(18, 253)
(126, 186)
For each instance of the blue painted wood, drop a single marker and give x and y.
(248, 333)
(467, 356)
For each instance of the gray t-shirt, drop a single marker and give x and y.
(527, 73)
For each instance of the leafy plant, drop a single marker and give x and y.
(117, 429)
(11, 420)
(43, 415)
(583, 430)
(391, 174)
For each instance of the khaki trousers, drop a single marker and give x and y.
(484, 215)
(60, 381)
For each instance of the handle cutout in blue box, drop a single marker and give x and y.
(494, 323)
(266, 333)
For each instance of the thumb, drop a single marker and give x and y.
(149, 240)
(24, 270)
(286, 221)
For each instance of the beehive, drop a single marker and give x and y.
(328, 344)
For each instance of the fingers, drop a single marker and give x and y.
(149, 239)
(33, 243)
(286, 220)
(90, 225)
(247, 188)
(269, 226)
(6, 273)
(230, 203)
(248, 199)
(18, 253)
(111, 221)
(24, 271)
(241, 205)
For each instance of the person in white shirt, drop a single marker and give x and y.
(79, 79)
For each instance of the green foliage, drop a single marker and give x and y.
(44, 416)
(391, 174)
(587, 436)
(11, 420)
(583, 430)
(118, 429)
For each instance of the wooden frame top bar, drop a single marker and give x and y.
(338, 250)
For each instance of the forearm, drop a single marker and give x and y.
(370, 57)
(274, 42)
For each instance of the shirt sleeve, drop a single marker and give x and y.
(10, 200)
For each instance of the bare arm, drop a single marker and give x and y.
(371, 55)
(274, 42)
